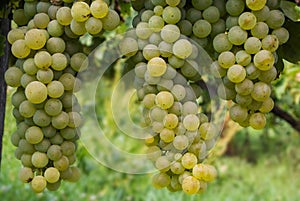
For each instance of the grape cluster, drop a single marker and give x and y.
(167, 68)
(49, 56)
(246, 59)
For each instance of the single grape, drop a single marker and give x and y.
(80, 11)
(261, 91)
(111, 20)
(221, 43)
(237, 36)
(238, 113)
(264, 60)
(236, 73)
(190, 185)
(38, 184)
(226, 59)
(99, 9)
(202, 28)
(171, 15)
(257, 121)
(156, 67)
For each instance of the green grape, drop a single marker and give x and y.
(235, 7)
(189, 107)
(243, 58)
(45, 76)
(35, 39)
(236, 73)
(261, 91)
(29, 67)
(257, 121)
(21, 128)
(15, 139)
(140, 69)
(256, 4)
(54, 152)
(146, 15)
(243, 101)
(190, 185)
(189, 160)
(69, 33)
(61, 164)
(191, 122)
(80, 11)
(245, 87)
(39, 159)
(181, 142)
(52, 11)
(167, 135)
(162, 164)
(55, 45)
(93, 25)
(18, 97)
(156, 67)
(158, 2)
(41, 20)
(247, 20)
(186, 27)
(237, 36)
(270, 42)
(40, 118)
(151, 80)
(14, 35)
(267, 105)
(231, 21)
(268, 76)
(151, 51)
(157, 126)
(201, 5)
(193, 15)
(226, 59)
(161, 180)
(38, 184)
(79, 62)
(68, 148)
(111, 20)
(221, 43)
(170, 33)
(252, 71)
(282, 34)
(208, 131)
(59, 61)
(55, 89)
(57, 139)
(78, 28)
(202, 28)
(19, 17)
(13, 76)
(155, 39)
(42, 7)
(42, 146)
(53, 186)
(178, 92)
(27, 109)
(64, 16)
(264, 60)
(26, 147)
(170, 73)
(68, 81)
(275, 19)
(182, 48)
(19, 49)
(143, 31)
(238, 113)
(260, 30)
(34, 135)
(52, 175)
(60, 121)
(173, 2)
(55, 29)
(218, 27)
(177, 168)
(43, 59)
(158, 10)
(190, 69)
(75, 119)
(176, 108)
(252, 45)
(170, 121)
(26, 160)
(99, 9)
(165, 49)
(156, 23)
(211, 14)
(75, 176)
(149, 101)
(262, 14)
(171, 15)
(36, 92)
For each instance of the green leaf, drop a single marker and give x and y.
(291, 10)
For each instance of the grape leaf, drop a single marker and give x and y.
(291, 10)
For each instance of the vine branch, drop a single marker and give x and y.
(287, 117)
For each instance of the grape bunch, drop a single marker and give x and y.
(167, 69)
(48, 56)
(247, 57)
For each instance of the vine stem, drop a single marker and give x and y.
(5, 26)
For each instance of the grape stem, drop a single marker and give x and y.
(287, 117)
(5, 26)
